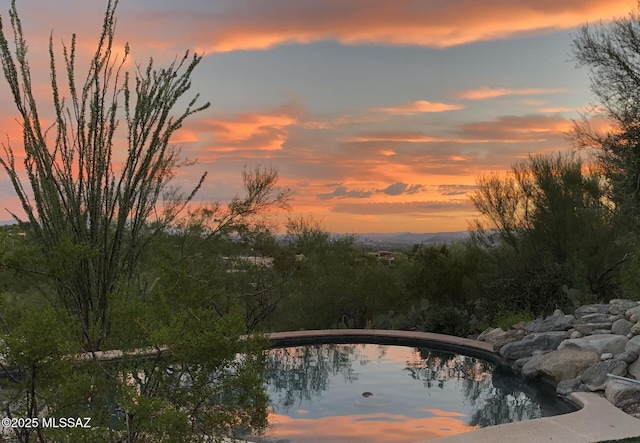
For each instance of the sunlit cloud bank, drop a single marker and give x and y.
(420, 106)
(383, 122)
(230, 25)
(245, 25)
(344, 167)
(486, 92)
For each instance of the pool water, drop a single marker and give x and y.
(382, 393)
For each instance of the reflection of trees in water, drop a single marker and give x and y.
(300, 373)
(509, 398)
(498, 395)
(435, 368)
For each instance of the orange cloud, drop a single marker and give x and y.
(255, 131)
(395, 136)
(522, 128)
(486, 92)
(420, 106)
(245, 25)
(531, 128)
(558, 109)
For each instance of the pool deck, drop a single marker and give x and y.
(597, 420)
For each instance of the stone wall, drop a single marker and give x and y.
(594, 350)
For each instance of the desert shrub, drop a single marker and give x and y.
(448, 320)
(506, 319)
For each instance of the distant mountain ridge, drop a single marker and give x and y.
(414, 238)
(405, 238)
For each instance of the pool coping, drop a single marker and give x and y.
(596, 420)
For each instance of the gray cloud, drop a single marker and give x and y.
(343, 192)
(401, 188)
(395, 189)
(455, 189)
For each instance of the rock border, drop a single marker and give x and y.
(596, 349)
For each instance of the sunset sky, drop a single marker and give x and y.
(378, 114)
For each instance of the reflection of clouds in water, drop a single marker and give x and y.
(374, 428)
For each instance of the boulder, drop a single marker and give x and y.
(566, 387)
(623, 394)
(556, 366)
(488, 334)
(634, 369)
(620, 305)
(530, 368)
(600, 344)
(519, 363)
(542, 341)
(509, 336)
(595, 376)
(633, 314)
(591, 309)
(595, 318)
(635, 329)
(633, 345)
(600, 331)
(553, 323)
(621, 327)
(591, 328)
(627, 356)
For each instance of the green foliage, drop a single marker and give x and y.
(413, 318)
(205, 381)
(631, 274)
(506, 319)
(39, 340)
(334, 283)
(547, 224)
(611, 53)
(448, 320)
(447, 275)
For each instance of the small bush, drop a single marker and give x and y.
(447, 320)
(506, 319)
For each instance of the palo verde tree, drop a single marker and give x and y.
(612, 54)
(549, 227)
(78, 204)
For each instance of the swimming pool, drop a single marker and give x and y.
(361, 392)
